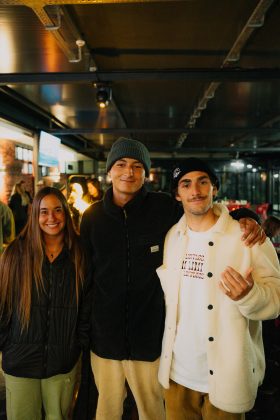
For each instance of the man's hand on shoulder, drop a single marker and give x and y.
(253, 233)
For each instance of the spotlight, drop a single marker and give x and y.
(103, 96)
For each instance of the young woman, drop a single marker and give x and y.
(44, 306)
(95, 192)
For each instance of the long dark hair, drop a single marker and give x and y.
(271, 226)
(96, 183)
(21, 263)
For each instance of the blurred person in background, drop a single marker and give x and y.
(271, 226)
(7, 233)
(95, 192)
(43, 311)
(7, 225)
(19, 203)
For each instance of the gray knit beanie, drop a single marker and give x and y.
(129, 148)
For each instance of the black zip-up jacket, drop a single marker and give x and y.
(125, 246)
(57, 331)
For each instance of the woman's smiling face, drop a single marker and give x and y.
(51, 216)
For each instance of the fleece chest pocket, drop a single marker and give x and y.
(150, 247)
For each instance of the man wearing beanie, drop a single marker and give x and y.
(217, 292)
(123, 236)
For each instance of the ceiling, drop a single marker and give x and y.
(195, 77)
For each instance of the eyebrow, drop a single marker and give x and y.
(46, 208)
(200, 178)
(124, 160)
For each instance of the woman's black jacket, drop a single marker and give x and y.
(57, 331)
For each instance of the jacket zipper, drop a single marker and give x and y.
(127, 344)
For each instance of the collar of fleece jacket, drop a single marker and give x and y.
(132, 205)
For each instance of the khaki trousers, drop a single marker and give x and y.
(110, 376)
(25, 397)
(182, 403)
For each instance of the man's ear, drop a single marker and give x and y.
(176, 195)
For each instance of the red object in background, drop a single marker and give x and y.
(261, 209)
(234, 206)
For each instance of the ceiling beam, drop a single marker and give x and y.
(216, 130)
(252, 150)
(169, 152)
(221, 75)
(255, 21)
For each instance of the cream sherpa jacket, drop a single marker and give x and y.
(235, 356)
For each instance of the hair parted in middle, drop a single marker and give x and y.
(21, 263)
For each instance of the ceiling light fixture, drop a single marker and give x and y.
(103, 95)
(238, 164)
(80, 44)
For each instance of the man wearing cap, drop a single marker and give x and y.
(123, 235)
(217, 291)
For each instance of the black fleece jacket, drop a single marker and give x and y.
(125, 246)
(57, 330)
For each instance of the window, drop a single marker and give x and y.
(26, 155)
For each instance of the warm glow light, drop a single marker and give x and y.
(76, 198)
(81, 205)
(50, 58)
(151, 177)
(2, 186)
(58, 111)
(263, 176)
(7, 62)
(103, 96)
(2, 175)
(101, 139)
(11, 132)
